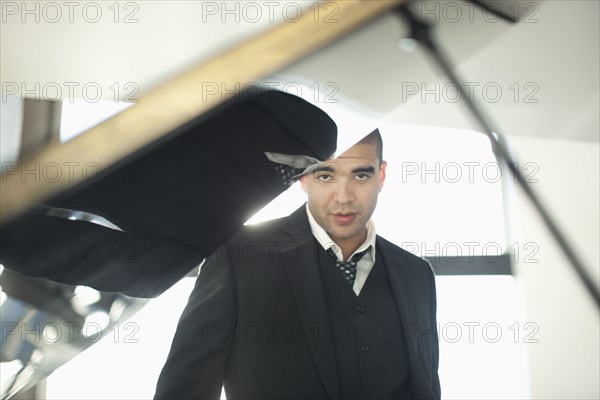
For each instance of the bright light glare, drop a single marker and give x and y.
(129, 357)
(80, 115)
(94, 323)
(85, 296)
(442, 193)
(282, 206)
(8, 370)
(483, 337)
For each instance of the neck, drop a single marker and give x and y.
(349, 246)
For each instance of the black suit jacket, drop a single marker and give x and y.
(257, 320)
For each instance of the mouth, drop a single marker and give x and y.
(344, 218)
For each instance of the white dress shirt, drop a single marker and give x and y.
(364, 265)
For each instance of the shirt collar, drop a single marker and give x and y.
(326, 242)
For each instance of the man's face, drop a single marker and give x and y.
(342, 195)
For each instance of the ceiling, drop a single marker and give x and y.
(539, 77)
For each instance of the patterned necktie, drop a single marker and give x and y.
(286, 172)
(348, 268)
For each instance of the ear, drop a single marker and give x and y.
(382, 167)
(302, 180)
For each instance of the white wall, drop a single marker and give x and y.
(565, 363)
(11, 123)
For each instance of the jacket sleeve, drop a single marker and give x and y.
(196, 364)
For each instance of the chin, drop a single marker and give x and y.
(344, 234)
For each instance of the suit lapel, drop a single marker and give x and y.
(402, 286)
(299, 258)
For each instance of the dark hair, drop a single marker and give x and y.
(374, 138)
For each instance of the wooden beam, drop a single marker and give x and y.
(174, 103)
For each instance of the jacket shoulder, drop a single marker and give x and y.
(412, 260)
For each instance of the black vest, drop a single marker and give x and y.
(371, 356)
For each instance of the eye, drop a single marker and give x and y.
(324, 177)
(362, 176)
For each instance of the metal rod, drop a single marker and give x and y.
(421, 31)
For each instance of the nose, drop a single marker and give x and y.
(343, 192)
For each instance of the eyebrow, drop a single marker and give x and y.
(364, 170)
(324, 168)
(359, 170)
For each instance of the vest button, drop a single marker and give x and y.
(360, 308)
(364, 348)
(369, 389)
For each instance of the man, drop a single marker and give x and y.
(275, 315)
